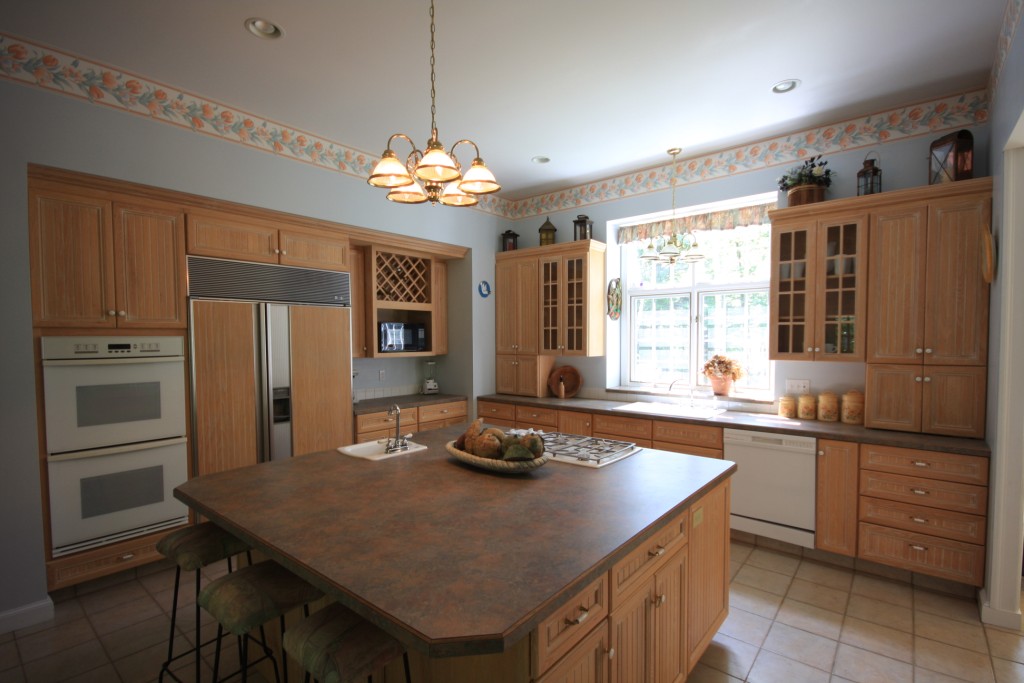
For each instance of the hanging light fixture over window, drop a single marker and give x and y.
(439, 172)
(678, 246)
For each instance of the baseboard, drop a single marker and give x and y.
(26, 615)
(1008, 619)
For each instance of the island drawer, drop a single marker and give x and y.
(945, 558)
(958, 526)
(642, 561)
(538, 418)
(688, 434)
(376, 421)
(934, 493)
(442, 411)
(967, 469)
(501, 414)
(557, 634)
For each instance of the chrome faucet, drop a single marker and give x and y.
(680, 379)
(398, 443)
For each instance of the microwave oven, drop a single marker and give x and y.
(402, 337)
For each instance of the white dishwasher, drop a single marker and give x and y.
(773, 488)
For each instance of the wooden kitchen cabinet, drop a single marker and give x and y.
(936, 399)
(707, 587)
(620, 428)
(496, 414)
(97, 261)
(518, 367)
(377, 425)
(357, 288)
(226, 235)
(571, 301)
(530, 417)
(680, 437)
(818, 298)
(586, 663)
(406, 287)
(836, 497)
(573, 422)
(560, 633)
(522, 375)
(438, 415)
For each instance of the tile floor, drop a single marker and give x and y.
(792, 619)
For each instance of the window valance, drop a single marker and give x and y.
(716, 220)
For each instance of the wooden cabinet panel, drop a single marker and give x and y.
(835, 523)
(928, 492)
(953, 400)
(522, 375)
(586, 663)
(622, 428)
(224, 385)
(669, 642)
(792, 292)
(707, 596)
(357, 287)
(893, 397)
(149, 265)
(687, 434)
(967, 469)
(572, 422)
(916, 518)
(688, 450)
(637, 566)
(963, 562)
(516, 306)
(92, 564)
(442, 411)
(223, 235)
(560, 632)
(439, 313)
(537, 418)
(631, 628)
(307, 250)
(571, 305)
(374, 421)
(497, 414)
(321, 371)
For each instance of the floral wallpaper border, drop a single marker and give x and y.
(1011, 21)
(41, 66)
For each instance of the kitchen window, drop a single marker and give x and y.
(677, 315)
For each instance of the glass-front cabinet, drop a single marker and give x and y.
(819, 269)
(571, 305)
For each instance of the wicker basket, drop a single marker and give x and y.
(507, 466)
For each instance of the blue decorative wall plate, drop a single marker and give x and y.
(484, 288)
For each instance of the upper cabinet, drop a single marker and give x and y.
(818, 280)
(405, 287)
(517, 320)
(571, 299)
(232, 236)
(98, 261)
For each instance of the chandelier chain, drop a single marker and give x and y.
(433, 94)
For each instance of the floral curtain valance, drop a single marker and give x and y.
(716, 220)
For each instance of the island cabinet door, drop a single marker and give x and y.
(707, 583)
(586, 663)
(668, 646)
(631, 627)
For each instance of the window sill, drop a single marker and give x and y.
(749, 401)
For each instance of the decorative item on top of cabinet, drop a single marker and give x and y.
(869, 178)
(819, 270)
(509, 240)
(951, 158)
(547, 233)
(232, 236)
(571, 305)
(102, 263)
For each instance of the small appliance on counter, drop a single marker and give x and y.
(429, 383)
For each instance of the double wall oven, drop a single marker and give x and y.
(115, 437)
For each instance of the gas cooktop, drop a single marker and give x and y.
(588, 451)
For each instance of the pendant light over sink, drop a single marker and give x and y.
(434, 175)
(676, 246)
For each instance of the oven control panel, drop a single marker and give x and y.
(58, 348)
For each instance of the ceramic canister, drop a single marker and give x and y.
(828, 407)
(807, 407)
(787, 406)
(853, 407)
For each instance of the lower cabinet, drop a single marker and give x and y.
(497, 414)
(618, 428)
(378, 425)
(680, 437)
(835, 518)
(572, 422)
(587, 663)
(541, 419)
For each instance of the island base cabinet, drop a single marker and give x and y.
(587, 663)
(707, 586)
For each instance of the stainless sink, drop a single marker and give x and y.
(671, 410)
(377, 450)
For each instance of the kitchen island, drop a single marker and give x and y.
(473, 570)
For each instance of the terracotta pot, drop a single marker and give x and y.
(805, 194)
(721, 385)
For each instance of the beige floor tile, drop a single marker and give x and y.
(878, 639)
(1007, 671)
(770, 667)
(729, 655)
(951, 631)
(1005, 644)
(810, 618)
(131, 639)
(774, 560)
(765, 579)
(809, 648)
(952, 661)
(125, 614)
(885, 590)
(755, 600)
(818, 595)
(705, 674)
(54, 640)
(881, 612)
(739, 552)
(119, 594)
(66, 663)
(103, 674)
(947, 606)
(826, 575)
(63, 611)
(746, 626)
(734, 568)
(862, 666)
(925, 676)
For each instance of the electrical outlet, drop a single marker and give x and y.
(380, 375)
(794, 386)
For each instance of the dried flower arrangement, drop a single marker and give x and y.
(723, 366)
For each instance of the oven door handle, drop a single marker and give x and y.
(113, 450)
(113, 361)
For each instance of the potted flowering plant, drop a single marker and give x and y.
(806, 184)
(722, 371)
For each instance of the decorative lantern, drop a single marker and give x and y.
(547, 233)
(582, 228)
(869, 178)
(951, 158)
(508, 241)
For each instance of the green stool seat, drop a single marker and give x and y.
(250, 597)
(336, 645)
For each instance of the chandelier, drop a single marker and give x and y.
(434, 175)
(677, 246)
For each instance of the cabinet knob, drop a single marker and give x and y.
(277, 251)
(917, 379)
(660, 600)
(919, 350)
(821, 452)
(611, 653)
(121, 314)
(810, 349)
(111, 312)
(444, 412)
(817, 349)
(920, 463)
(927, 350)
(927, 379)
(284, 252)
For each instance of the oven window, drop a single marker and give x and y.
(118, 491)
(111, 404)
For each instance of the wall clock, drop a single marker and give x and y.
(951, 158)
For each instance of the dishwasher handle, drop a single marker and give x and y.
(769, 441)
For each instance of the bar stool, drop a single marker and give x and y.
(251, 597)
(336, 645)
(193, 548)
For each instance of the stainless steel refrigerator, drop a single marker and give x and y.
(271, 362)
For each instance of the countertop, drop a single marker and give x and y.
(769, 423)
(451, 559)
(376, 405)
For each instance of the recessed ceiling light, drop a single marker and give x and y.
(540, 159)
(788, 85)
(261, 28)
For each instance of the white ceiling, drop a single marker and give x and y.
(602, 88)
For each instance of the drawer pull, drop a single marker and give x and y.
(919, 520)
(611, 653)
(578, 620)
(915, 546)
(920, 463)
(444, 412)
(919, 492)
(127, 556)
(656, 553)
(661, 600)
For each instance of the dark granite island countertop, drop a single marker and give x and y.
(451, 559)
